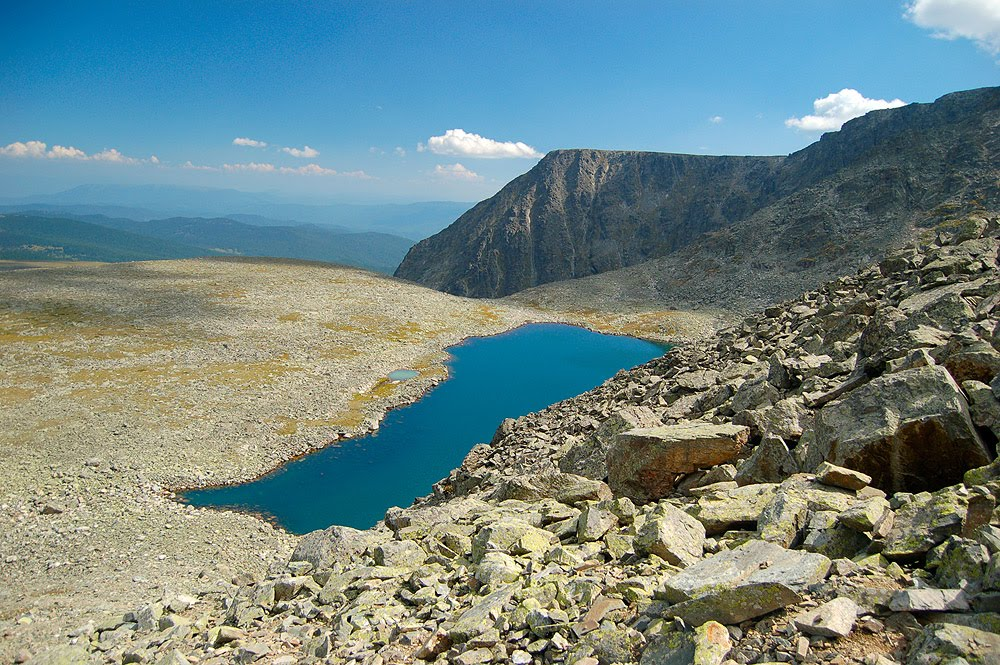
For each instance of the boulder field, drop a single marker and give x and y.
(817, 484)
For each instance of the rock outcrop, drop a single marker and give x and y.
(804, 560)
(724, 231)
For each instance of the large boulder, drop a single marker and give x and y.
(924, 523)
(644, 463)
(909, 431)
(589, 457)
(672, 535)
(563, 487)
(754, 562)
(336, 544)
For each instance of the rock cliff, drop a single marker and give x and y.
(750, 224)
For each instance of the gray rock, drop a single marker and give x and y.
(929, 600)
(497, 568)
(866, 516)
(589, 457)
(833, 619)
(892, 426)
(481, 616)
(825, 535)
(644, 463)
(671, 534)
(336, 544)
(838, 476)
(754, 562)
(708, 644)
(736, 604)
(594, 521)
(403, 553)
(957, 562)
(735, 508)
(925, 522)
(941, 643)
(770, 462)
(511, 537)
(566, 488)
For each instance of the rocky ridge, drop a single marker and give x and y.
(813, 485)
(736, 232)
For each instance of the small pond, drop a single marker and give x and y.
(490, 378)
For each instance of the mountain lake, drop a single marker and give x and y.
(353, 482)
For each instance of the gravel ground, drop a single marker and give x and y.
(122, 382)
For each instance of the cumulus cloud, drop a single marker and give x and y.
(306, 152)
(832, 111)
(40, 150)
(308, 169)
(716, 119)
(249, 143)
(977, 20)
(197, 167)
(400, 151)
(463, 143)
(252, 167)
(456, 172)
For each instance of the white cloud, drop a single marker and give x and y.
(112, 155)
(832, 111)
(249, 143)
(716, 119)
(39, 150)
(306, 152)
(400, 151)
(375, 150)
(25, 149)
(153, 159)
(197, 167)
(66, 152)
(308, 169)
(461, 142)
(978, 20)
(253, 167)
(456, 172)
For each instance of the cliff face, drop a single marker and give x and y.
(844, 198)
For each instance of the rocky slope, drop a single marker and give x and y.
(749, 224)
(812, 485)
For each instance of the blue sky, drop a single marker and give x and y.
(448, 100)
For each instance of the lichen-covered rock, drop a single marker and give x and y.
(827, 536)
(405, 553)
(735, 605)
(336, 544)
(708, 644)
(909, 431)
(770, 462)
(593, 522)
(644, 463)
(925, 522)
(734, 508)
(833, 619)
(838, 476)
(566, 488)
(755, 562)
(672, 535)
(512, 537)
(946, 643)
(589, 457)
(866, 516)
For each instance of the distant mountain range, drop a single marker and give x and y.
(676, 229)
(51, 236)
(148, 202)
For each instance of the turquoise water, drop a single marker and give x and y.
(490, 378)
(403, 374)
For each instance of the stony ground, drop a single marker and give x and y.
(811, 485)
(119, 381)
